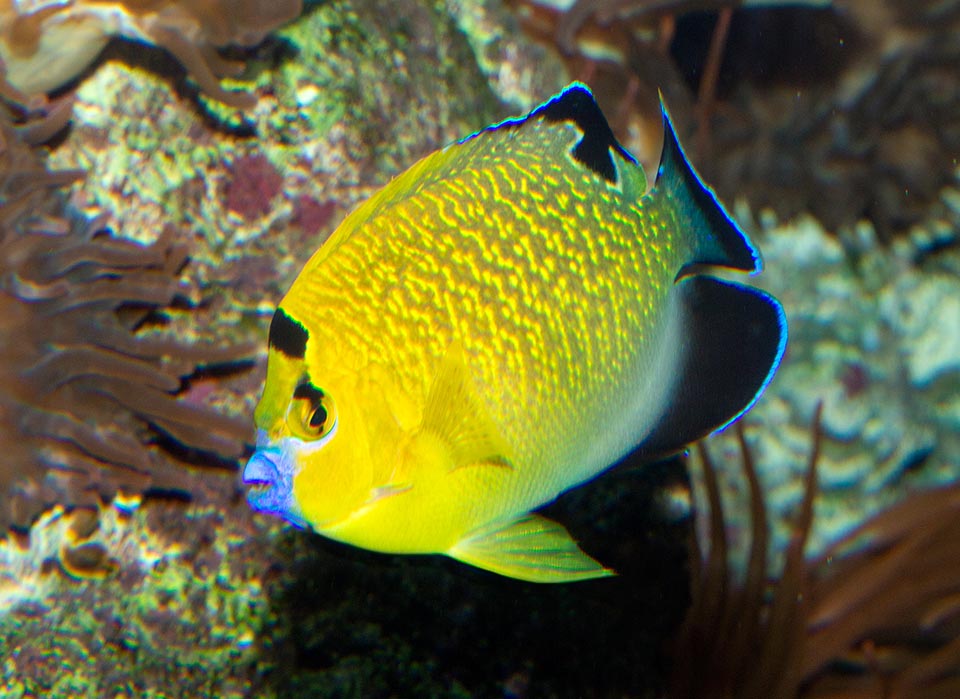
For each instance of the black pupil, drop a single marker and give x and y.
(318, 418)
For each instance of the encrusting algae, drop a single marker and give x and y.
(90, 389)
(46, 43)
(166, 599)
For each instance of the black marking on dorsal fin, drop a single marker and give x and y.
(288, 335)
(577, 104)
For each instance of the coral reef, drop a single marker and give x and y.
(865, 340)
(519, 70)
(867, 127)
(759, 629)
(90, 380)
(577, 13)
(199, 597)
(331, 123)
(47, 43)
(179, 613)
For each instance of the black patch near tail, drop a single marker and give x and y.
(288, 335)
(733, 338)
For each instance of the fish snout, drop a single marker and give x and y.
(261, 470)
(268, 476)
(262, 476)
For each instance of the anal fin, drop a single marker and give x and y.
(530, 548)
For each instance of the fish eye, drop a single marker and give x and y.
(313, 415)
(318, 418)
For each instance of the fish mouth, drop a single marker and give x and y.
(262, 477)
(268, 477)
(261, 472)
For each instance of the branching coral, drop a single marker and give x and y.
(884, 605)
(603, 12)
(876, 616)
(46, 43)
(85, 389)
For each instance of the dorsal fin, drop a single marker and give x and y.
(576, 104)
(597, 145)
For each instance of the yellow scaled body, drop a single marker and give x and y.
(496, 325)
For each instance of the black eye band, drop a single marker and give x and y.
(307, 390)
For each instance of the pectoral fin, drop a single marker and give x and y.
(387, 491)
(531, 548)
(455, 415)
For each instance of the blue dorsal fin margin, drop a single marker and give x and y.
(718, 240)
(576, 104)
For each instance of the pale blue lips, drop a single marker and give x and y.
(269, 473)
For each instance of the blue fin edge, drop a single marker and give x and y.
(774, 365)
(575, 104)
(725, 244)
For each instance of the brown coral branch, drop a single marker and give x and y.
(758, 637)
(877, 615)
(121, 451)
(70, 363)
(46, 45)
(898, 573)
(197, 64)
(785, 622)
(189, 424)
(707, 91)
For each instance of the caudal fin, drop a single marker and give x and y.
(727, 339)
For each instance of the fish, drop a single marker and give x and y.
(501, 322)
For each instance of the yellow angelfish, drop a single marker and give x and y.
(502, 321)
